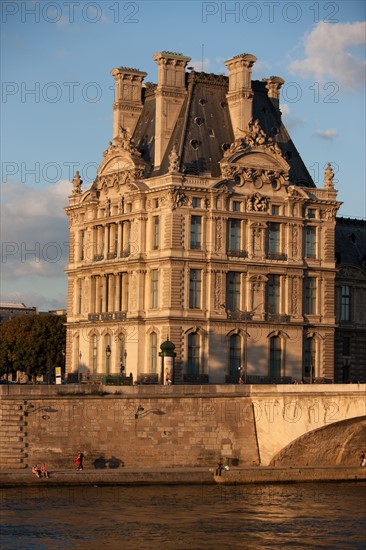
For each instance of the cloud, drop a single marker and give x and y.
(327, 56)
(34, 231)
(291, 122)
(328, 134)
(34, 299)
(197, 64)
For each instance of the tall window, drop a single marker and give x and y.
(310, 295)
(94, 353)
(275, 357)
(154, 288)
(122, 348)
(235, 356)
(274, 239)
(196, 222)
(80, 296)
(233, 291)
(309, 357)
(193, 366)
(81, 244)
(156, 232)
(234, 235)
(195, 288)
(310, 242)
(153, 351)
(346, 303)
(273, 294)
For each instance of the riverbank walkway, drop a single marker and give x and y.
(179, 476)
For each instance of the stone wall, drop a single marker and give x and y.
(164, 426)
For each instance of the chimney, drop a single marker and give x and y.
(240, 95)
(273, 85)
(128, 105)
(170, 94)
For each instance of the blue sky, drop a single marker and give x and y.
(57, 95)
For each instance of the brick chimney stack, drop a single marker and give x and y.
(170, 94)
(240, 95)
(128, 105)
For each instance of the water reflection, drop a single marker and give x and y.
(324, 515)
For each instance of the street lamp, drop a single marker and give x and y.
(108, 355)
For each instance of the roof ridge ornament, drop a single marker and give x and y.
(76, 182)
(173, 160)
(328, 178)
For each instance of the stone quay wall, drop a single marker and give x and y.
(163, 426)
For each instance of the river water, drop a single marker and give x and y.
(310, 515)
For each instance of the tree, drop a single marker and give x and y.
(32, 344)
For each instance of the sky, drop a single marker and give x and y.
(57, 96)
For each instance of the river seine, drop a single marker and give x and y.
(310, 515)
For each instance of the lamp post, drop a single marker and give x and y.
(108, 355)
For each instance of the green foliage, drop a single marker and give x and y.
(32, 344)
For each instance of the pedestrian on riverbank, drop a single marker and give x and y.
(35, 471)
(219, 468)
(79, 460)
(44, 472)
(363, 458)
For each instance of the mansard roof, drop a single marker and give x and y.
(350, 242)
(203, 130)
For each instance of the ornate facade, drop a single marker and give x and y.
(204, 226)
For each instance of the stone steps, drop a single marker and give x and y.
(12, 435)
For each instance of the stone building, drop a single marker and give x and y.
(350, 301)
(203, 226)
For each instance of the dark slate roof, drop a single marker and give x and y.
(350, 242)
(203, 128)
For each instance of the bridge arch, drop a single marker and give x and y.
(337, 444)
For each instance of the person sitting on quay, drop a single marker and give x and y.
(44, 472)
(35, 471)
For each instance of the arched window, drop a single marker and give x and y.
(275, 357)
(122, 357)
(153, 351)
(107, 353)
(310, 358)
(94, 357)
(193, 365)
(235, 356)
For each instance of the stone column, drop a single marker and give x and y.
(117, 294)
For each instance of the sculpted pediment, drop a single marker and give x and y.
(351, 272)
(255, 158)
(122, 158)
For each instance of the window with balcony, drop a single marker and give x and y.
(310, 242)
(154, 288)
(273, 294)
(94, 353)
(233, 291)
(196, 227)
(310, 295)
(274, 240)
(195, 288)
(234, 236)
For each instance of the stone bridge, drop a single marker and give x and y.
(182, 426)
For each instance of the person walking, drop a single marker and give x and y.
(79, 460)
